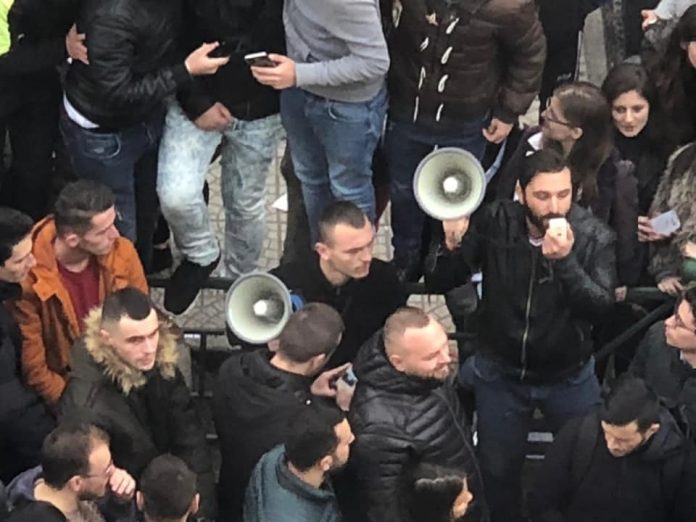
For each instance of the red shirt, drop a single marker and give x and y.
(83, 288)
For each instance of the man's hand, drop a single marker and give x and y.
(121, 484)
(75, 45)
(497, 131)
(670, 285)
(217, 118)
(198, 63)
(555, 247)
(649, 18)
(646, 232)
(282, 76)
(325, 384)
(454, 230)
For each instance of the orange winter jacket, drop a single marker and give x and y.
(45, 312)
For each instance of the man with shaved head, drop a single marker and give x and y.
(405, 411)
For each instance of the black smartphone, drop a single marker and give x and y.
(260, 59)
(221, 51)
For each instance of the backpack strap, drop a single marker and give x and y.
(584, 448)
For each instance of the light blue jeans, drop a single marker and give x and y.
(248, 148)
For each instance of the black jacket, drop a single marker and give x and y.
(671, 378)
(364, 304)
(535, 316)
(145, 414)
(253, 402)
(37, 512)
(134, 60)
(581, 481)
(492, 50)
(398, 421)
(243, 26)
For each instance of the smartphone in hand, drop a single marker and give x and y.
(260, 59)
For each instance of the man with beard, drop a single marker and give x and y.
(404, 412)
(544, 283)
(76, 469)
(292, 483)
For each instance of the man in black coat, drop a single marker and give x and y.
(24, 419)
(629, 462)
(257, 393)
(124, 379)
(543, 287)
(404, 412)
(666, 359)
(345, 275)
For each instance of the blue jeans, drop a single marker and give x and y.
(504, 407)
(126, 161)
(332, 144)
(405, 145)
(248, 149)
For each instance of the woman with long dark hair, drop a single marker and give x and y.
(675, 78)
(439, 494)
(577, 119)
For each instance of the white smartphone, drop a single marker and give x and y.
(259, 60)
(666, 223)
(558, 227)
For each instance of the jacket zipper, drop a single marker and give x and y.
(527, 313)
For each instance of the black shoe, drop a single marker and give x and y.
(184, 285)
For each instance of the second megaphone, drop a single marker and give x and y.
(257, 307)
(449, 183)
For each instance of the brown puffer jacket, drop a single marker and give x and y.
(468, 59)
(45, 313)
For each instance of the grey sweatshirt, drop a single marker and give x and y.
(667, 9)
(338, 46)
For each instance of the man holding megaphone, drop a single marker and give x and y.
(548, 273)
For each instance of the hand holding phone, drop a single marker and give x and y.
(666, 223)
(260, 59)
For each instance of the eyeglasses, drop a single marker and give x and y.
(106, 473)
(549, 116)
(678, 321)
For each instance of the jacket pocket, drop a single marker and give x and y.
(100, 146)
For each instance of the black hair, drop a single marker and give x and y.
(548, 160)
(313, 330)
(78, 203)
(689, 296)
(339, 213)
(631, 399)
(434, 490)
(585, 107)
(127, 302)
(66, 450)
(14, 226)
(627, 77)
(312, 435)
(168, 488)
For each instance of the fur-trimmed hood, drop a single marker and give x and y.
(112, 366)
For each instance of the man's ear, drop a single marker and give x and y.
(104, 336)
(71, 239)
(652, 430)
(195, 504)
(576, 133)
(139, 500)
(75, 483)
(318, 361)
(325, 463)
(396, 361)
(519, 193)
(322, 249)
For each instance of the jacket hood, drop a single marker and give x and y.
(98, 360)
(21, 489)
(372, 367)
(667, 441)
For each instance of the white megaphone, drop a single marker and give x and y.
(449, 183)
(257, 307)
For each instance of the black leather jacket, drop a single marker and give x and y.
(535, 316)
(398, 421)
(135, 60)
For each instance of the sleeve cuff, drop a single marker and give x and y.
(181, 74)
(306, 74)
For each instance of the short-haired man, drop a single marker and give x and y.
(292, 483)
(334, 98)
(543, 287)
(666, 358)
(24, 420)
(629, 462)
(345, 275)
(76, 470)
(258, 392)
(404, 411)
(167, 491)
(80, 259)
(124, 379)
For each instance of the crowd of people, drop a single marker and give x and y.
(362, 409)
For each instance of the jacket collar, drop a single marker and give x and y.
(118, 371)
(9, 291)
(374, 369)
(287, 480)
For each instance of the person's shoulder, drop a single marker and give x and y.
(508, 7)
(35, 512)
(586, 224)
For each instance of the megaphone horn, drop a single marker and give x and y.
(257, 307)
(449, 183)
